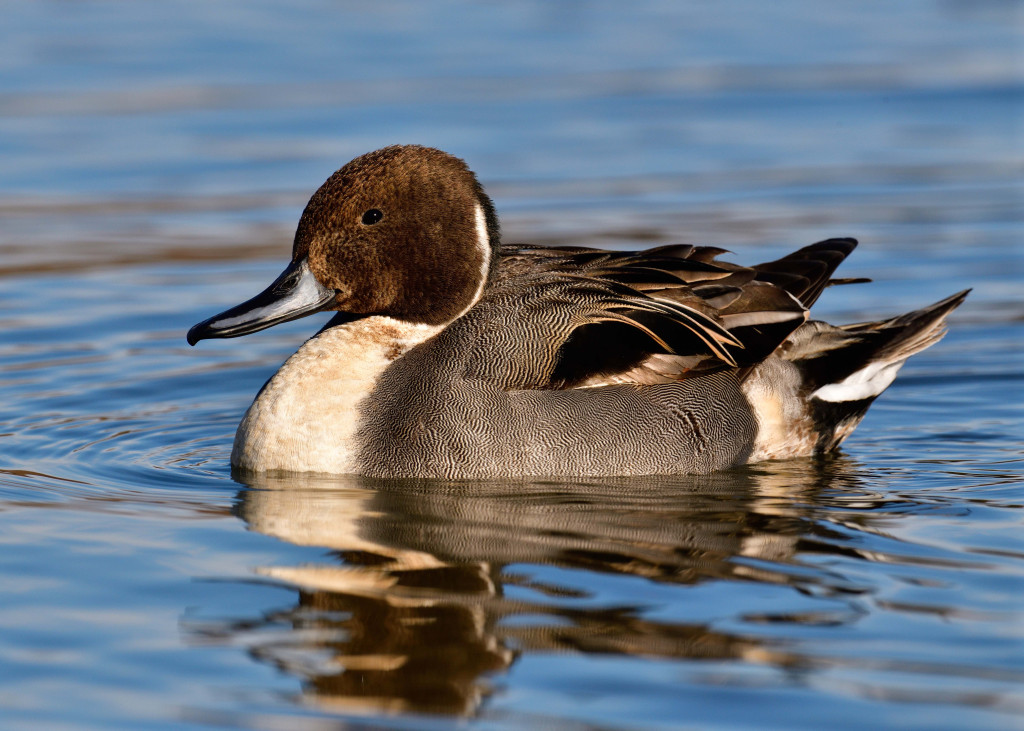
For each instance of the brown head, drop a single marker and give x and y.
(406, 232)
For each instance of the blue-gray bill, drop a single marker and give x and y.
(294, 294)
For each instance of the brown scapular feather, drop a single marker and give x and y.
(671, 312)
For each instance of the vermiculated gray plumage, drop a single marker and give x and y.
(485, 398)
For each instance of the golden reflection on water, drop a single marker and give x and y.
(414, 616)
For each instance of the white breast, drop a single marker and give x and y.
(306, 418)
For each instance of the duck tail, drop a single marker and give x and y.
(844, 369)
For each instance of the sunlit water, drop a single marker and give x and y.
(155, 160)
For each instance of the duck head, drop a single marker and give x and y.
(405, 232)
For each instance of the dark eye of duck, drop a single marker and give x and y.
(372, 216)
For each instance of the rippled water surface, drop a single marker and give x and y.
(155, 160)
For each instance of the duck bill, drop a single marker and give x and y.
(294, 294)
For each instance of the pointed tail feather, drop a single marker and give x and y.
(845, 368)
(913, 332)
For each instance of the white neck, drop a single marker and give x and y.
(305, 419)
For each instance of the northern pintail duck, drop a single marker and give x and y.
(452, 355)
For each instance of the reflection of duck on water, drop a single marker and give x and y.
(415, 615)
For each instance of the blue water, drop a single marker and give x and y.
(155, 160)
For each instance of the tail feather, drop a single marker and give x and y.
(852, 355)
(845, 368)
(913, 332)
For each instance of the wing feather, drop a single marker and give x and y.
(575, 317)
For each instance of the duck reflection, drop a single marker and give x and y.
(430, 591)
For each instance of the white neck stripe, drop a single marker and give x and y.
(483, 243)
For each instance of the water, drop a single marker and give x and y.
(156, 158)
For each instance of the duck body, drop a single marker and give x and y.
(453, 356)
(423, 415)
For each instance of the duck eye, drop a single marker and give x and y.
(372, 216)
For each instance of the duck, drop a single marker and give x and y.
(452, 355)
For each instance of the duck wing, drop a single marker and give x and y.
(558, 318)
(806, 272)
